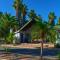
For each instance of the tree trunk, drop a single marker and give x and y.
(42, 50)
(18, 16)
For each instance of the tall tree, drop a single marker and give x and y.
(21, 11)
(43, 33)
(59, 21)
(1, 14)
(6, 23)
(32, 14)
(52, 35)
(18, 7)
(51, 25)
(13, 23)
(24, 12)
(40, 29)
(51, 18)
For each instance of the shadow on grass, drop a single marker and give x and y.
(35, 52)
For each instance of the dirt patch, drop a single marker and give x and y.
(26, 45)
(11, 56)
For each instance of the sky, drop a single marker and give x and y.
(41, 7)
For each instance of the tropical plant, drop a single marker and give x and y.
(51, 18)
(43, 32)
(12, 21)
(35, 29)
(32, 14)
(18, 6)
(21, 11)
(24, 13)
(42, 28)
(3, 26)
(1, 14)
(7, 22)
(51, 35)
(10, 38)
(59, 21)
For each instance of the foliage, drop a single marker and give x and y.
(17, 3)
(32, 14)
(51, 35)
(51, 15)
(21, 12)
(40, 29)
(10, 38)
(52, 18)
(58, 54)
(59, 20)
(6, 23)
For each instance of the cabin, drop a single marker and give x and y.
(26, 31)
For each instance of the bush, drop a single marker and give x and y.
(59, 56)
(10, 38)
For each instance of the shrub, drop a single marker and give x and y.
(10, 38)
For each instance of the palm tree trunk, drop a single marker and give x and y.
(42, 38)
(18, 16)
(42, 50)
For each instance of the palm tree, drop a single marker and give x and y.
(24, 12)
(13, 23)
(1, 14)
(59, 21)
(35, 29)
(7, 22)
(43, 27)
(43, 33)
(21, 11)
(40, 29)
(51, 25)
(52, 35)
(51, 18)
(3, 26)
(18, 6)
(32, 14)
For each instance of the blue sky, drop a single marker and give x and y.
(41, 7)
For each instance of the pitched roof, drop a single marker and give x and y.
(26, 24)
(30, 21)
